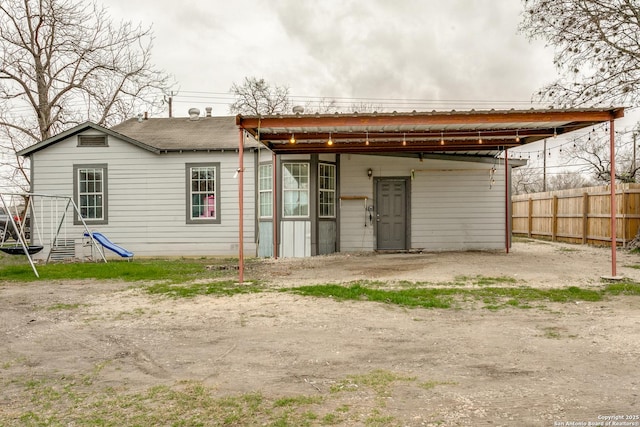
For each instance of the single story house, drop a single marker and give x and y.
(294, 185)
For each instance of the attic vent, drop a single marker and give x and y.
(92, 140)
(194, 113)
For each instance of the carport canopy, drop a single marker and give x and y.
(462, 132)
(459, 133)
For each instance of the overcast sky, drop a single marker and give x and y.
(435, 50)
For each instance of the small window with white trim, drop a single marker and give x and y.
(327, 190)
(203, 204)
(265, 190)
(295, 190)
(90, 193)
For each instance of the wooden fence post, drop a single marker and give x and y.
(554, 220)
(585, 217)
(624, 216)
(530, 219)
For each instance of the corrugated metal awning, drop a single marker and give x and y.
(470, 132)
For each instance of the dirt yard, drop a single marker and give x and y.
(560, 364)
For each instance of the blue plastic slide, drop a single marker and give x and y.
(102, 239)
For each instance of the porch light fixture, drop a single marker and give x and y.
(366, 141)
(404, 139)
(330, 141)
(517, 137)
(369, 173)
(441, 138)
(479, 138)
(292, 140)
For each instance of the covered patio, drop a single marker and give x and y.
(453, 135)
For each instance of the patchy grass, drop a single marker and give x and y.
(567, 250)
(428, 385)
(415, 297)
(447, 297)
(165, 270)
(297, 401)
(62, 306)
(378, 380)
(79, 400)
(484, 281)
(622, 288)
(552, 332)
(225, 288)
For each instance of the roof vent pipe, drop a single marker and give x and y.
(208, 110)
(194, 113)
(139, 117)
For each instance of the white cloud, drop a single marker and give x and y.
(406, 49)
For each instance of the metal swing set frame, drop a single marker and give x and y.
(24, 245)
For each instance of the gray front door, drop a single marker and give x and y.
(391, 213)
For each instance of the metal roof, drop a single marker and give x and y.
(473, 132)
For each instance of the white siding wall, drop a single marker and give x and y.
(296, 239)
(452, 206)
(146, 197)
(456, 210)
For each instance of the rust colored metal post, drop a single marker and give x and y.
(507, 222)
(274, 212)
(241, 207)
(613, 198)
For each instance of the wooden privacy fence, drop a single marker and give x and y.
(581, 215)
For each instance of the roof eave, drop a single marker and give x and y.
(78, 129)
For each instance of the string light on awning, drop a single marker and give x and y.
(330, 141)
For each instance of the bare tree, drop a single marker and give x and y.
(63, 62)
(568, 180)
(365, 107)
(322, 106)
(525, 180)
(592, 155)
(597, 50)
(255, 96)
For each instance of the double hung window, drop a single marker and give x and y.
(203, 205)
(90, 192)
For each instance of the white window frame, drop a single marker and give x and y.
(81, 197)
(326, 190)
(295, 186)
(265, 190)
